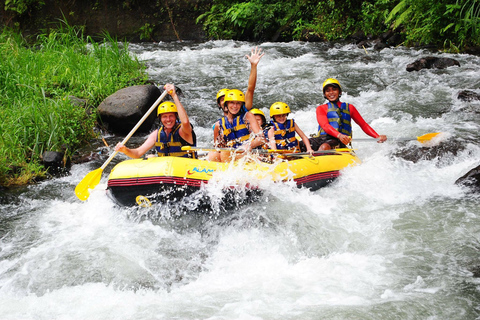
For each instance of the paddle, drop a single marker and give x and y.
(422, 139)
(91, 180)
(191, 149)
(283, 152)
(317, 153)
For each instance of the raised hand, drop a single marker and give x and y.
(255, 56)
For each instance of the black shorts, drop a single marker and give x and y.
(316, 142)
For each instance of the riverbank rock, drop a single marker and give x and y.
(471, 179)
(121, 111)
(432, 63)
(55, 162)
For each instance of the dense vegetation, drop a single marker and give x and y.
(453, 24)
(37, 81)
(450, 24)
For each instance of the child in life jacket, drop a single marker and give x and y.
(262, 123)
(281, 135)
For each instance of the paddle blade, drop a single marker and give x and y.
(82, 190)
(427, 137)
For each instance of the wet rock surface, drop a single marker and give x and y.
(432, 63)
(121, 111)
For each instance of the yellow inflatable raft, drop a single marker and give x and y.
(161, 179)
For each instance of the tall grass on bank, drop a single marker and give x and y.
(36, 83)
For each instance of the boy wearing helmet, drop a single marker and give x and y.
(334, 119)
(281, 135)
(175, 132)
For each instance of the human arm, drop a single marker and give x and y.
(355, 115)
(186, 131)
(256, 130)
(140, 151)
(254, 58)
(216, 132)
(304, 138)
(365, 126)
(271, 139)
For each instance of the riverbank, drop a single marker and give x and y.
(50, 91)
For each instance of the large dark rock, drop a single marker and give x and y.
(468, 96)
(471, 179)
(121, 111)
(414, 154)
(432, 63)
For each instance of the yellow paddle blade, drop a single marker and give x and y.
(82, 190)
(427, 137)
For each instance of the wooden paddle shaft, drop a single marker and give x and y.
(130, 134)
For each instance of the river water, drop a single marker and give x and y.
(390, 239)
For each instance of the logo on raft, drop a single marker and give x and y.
(201, 170)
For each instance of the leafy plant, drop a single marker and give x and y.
(36, 81)
(21, 6)
(146, 31)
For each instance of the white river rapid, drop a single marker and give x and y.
(390, 239)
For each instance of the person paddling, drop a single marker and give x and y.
(175, 131)
(334, 119)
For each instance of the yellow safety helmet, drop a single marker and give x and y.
(166, 107)
(260, 113)
(221, 93)
(279, 108)
(234, 95)
(333, 82)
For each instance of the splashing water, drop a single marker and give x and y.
(390, 239)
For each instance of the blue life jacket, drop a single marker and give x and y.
(285, 135)
(171, 145)
(234, 133)
(338, 118)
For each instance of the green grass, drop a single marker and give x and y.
(36, 80)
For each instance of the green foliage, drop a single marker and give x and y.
(466, 25)
(294, 19)
(373, 16)
(21, 6)
(453, 23)
(146, 31)
(35, 84)
(253, 20)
